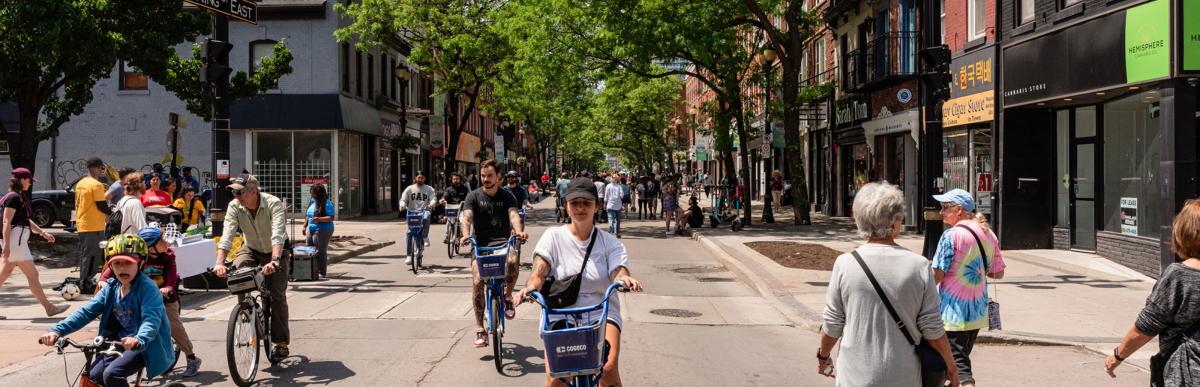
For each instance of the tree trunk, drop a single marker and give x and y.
(451, 151)
(23, 144)
(791, 127)
(744, 155)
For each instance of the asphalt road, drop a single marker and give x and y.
(374, 323)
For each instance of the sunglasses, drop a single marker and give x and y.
(236, 192)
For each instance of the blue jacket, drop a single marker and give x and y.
(154, 334)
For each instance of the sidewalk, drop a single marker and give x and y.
(25, 319)
(1047, 297)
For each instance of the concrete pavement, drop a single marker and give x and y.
(375, 323)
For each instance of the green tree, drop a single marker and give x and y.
(183, 79)
(632, 116)
(455, 40)
(54, 52)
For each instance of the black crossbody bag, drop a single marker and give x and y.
(933, 366)
(561, 293)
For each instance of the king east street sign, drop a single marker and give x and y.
(243, 10)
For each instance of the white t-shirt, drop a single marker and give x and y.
(612, 196)
(599, 188)
(564, 253)
(133, 215)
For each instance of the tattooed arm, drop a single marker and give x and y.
(541, 269)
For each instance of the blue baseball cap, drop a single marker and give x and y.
(957, 196)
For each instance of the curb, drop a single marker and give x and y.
(802, 317)
(363, 249)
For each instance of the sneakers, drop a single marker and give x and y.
(193, 366)
(408, 260)
(510, 311)
(481, 339)
(427, 242)
(669, 232)
(280, 352)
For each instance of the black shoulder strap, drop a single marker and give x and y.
(886, 303)
(588, 255)
(986, 268)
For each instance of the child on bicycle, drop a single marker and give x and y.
(131, 311)
(160, 266)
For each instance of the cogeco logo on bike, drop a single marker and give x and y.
(570, 350)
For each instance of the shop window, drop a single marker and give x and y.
(1132, 156)
(287, 164)
(1068, 3)
(346, 67)
(358, 73)
(942, 20)
(977, 21)
(370, 76)
(132, 78)
(1063, 152)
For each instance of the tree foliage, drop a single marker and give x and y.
(183, 79)
(632, 116)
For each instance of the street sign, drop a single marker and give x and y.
(243, 10)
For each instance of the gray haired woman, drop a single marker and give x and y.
(873, 350)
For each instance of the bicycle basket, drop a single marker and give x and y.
(416, 221)
(244, 280)
(575, 350)
(493, 265)
(451, 212)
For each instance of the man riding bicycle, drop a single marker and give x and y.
(514, 187)
(417, 198)
(131, 311)
(260, 217)
(493, 214)
(455, 194)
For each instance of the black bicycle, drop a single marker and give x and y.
(98, 346)
(249, 325)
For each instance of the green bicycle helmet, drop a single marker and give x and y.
(125, 244)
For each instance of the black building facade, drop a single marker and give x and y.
(1097, 140)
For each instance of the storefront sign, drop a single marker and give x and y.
(906, 121)
(1147, 41)
(306, 184)
(1190, 41)
(850, 111)
(973, 73)
(1129, 216)
(468, 148)
(978, 107)
(1079, 58)
(499, 141)
(904, 95)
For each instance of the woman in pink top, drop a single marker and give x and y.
(155, 196)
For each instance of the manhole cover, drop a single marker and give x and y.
(675, 313)
(714, 279)
(700, 269)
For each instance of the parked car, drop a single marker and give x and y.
(54, 205)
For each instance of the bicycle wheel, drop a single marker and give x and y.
(412, 243)
(451, 238)
(241, 345)
(497, 315)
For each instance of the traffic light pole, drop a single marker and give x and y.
(220, 131)
(932, 91)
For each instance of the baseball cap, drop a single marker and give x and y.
(23, 173)
(581, 187)
(957, 196)
(512, 173)
(241, 182)
(125, 257)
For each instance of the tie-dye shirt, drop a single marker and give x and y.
(963, 290)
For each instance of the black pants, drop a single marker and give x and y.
(961, 344)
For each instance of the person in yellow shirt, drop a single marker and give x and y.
(191, 207)
(91, 212)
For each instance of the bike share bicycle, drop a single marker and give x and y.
(415, 243)
(575, 346)
(249, 325)
(492, 263)
(452, 230)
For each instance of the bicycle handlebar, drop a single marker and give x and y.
(536, 296)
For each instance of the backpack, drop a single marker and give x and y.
(112, 226)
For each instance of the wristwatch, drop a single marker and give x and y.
(821, 358)
(1116, 355)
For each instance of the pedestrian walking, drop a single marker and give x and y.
(318, 225)
(91, 213)
(613, 205)
(1171, 311)
(968, 253)
(642, 198)
(776, 189)
(17, 228)
(670, 205)
(133, 213)
(879, 315)
(653, 191)
(601, 186)
(116, 191)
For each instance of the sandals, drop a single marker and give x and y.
(481, 339)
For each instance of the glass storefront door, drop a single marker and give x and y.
(1077, 153)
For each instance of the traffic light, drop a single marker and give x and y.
(937, 71)
(214, 56)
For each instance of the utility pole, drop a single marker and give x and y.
(934, 88)
(216, 75)
(768, 216)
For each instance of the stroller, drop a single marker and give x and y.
(724, 207)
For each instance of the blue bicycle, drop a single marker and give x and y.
(415, 243)
(492, 263)
(575, 346)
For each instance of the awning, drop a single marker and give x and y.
(905, 121)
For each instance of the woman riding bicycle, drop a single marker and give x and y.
(131, 311)
(560, 253)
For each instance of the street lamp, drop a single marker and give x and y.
(768, 60)
(403, 74)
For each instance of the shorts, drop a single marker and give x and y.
(20, 250)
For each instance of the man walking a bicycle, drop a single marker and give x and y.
(493, 214)
(260, 216)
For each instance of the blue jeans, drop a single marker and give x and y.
(614, 221)
(111, 371)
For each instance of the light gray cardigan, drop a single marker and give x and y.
(872, 351)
